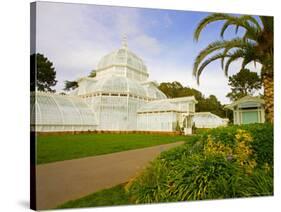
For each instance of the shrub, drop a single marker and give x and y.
(150, 186)
(262, 142)
(262, 135)
(225, 162)
(260, 183)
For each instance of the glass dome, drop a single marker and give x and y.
(116, 84)
(122, 57)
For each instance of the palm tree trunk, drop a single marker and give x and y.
(268, 85)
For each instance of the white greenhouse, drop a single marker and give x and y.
(119, 98)
(54, 112)
(208, 120)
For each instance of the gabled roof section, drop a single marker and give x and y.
(158, 106)
(208, 114)
(166, 105)
(245, 99)
(184, 99)
(155, 83)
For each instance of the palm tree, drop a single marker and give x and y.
(255, 45)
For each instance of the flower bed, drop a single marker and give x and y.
(226, 162)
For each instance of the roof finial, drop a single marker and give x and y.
(124, 41)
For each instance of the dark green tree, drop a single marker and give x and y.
(243, 83)
(71, 85)
(209, 104)
(213, 105)
(44, 72)
(175, 89)
(93, 73)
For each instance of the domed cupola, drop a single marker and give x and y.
(123, 62)
(118, 85)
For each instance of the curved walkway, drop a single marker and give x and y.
(61, 181)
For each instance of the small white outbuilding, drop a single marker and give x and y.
(247, 110)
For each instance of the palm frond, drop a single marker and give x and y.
(207, 62)
(255, 45)
(206, 21)
(214, 46)
(251, 36)
(233, 57)
(248, 58)
(249, 23)
(267, 22)
(253, 20)
(217, 46)
(242, 45)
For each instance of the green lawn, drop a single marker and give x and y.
(107, 197)
(51, 148)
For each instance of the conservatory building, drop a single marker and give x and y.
(120, 98)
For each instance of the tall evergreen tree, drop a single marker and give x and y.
(44, 72)
(243, 83)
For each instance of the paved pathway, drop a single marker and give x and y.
(61, 181)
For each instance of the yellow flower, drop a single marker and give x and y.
(242, 152)
(216, 148)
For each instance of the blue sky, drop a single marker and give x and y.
(75, 37)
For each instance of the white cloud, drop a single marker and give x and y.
(146, 44)
(216, 83)
(128, 22)
(75, 37)
(63, 37)
(211, 82)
